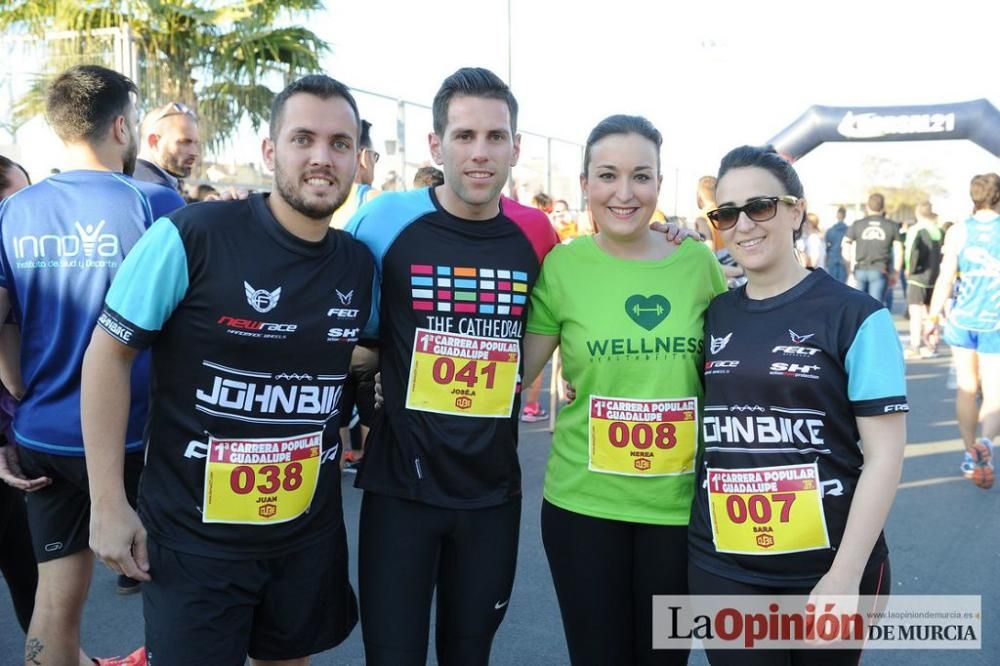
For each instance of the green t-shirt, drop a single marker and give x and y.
(631, 341)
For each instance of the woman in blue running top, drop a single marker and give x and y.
(804, 423)
(972, 249)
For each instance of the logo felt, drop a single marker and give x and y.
(647, 311)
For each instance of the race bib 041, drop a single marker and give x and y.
(643, 437)
(260, 481)
(462, 375)
(767, 510)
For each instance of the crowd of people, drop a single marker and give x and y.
(221, 350)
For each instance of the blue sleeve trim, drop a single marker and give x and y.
(153, 278)
(378, 224)
(380, 221)
(874, 362)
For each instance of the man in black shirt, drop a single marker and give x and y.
(252, 309)
(924, 240)
(440, 472)
(876, 250)
(874, 246)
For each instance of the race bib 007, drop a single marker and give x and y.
(643, 437)
(767, 510)
(462, 375)
(260, 481)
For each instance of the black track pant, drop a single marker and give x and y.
(876, 582)
(606, 573)
(406, 550)
(17, 561)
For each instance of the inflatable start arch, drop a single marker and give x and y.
(978, 121)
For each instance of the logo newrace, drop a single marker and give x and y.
(647, 311)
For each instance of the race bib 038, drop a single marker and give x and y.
(261, 481)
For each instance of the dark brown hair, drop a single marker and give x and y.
(82, 102)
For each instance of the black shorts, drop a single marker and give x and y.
(203, 611)
(918, 295)
(875, 582)
(359, 389)
(59, 514)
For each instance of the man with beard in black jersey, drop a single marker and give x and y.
(252, 309)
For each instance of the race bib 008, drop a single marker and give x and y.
(643, 437)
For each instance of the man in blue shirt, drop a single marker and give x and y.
(834, 238)
(61, 243)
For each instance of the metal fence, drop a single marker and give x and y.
(27, 58)
(400, 127)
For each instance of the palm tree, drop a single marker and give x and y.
(215, 56)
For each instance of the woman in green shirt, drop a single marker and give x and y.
(627, 310)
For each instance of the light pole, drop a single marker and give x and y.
(510, 84)
(510, 68)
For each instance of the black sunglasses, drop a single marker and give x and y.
(760, 209)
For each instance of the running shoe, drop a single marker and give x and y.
(982, 473)
(968, 465)
(910, 353)
(127, 585)
(352, 460)
(137, 658)
(533, 412)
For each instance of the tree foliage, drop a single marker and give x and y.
(218, 57)
(904, 186)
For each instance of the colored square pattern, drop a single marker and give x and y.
(468, 290)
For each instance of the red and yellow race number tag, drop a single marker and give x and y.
(261, 481)
(767, 510)
(643, 437)
(464, 375)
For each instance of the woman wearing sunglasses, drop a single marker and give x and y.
(804, 427)
(626, 309)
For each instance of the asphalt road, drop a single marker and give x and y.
(943, 534)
